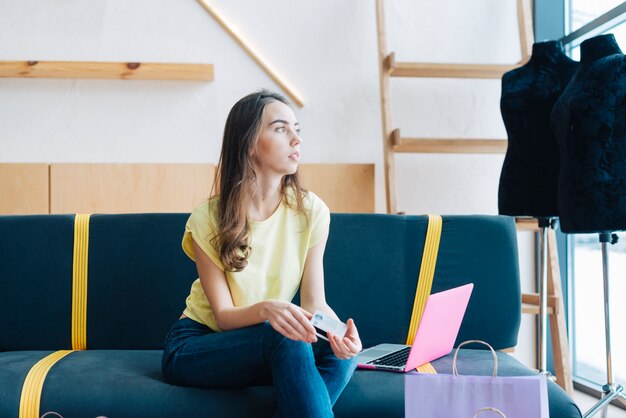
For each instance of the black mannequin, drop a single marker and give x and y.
(528, 182)
(589, 121)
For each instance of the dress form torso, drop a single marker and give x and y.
(528, 182)
(589, 121)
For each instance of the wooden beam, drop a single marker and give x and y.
(525, 23)
(295, 97)
(106, 70)
(527, 224)
(447, 146)
(429, 70)
(533, 299)
(384, 65)
(556, 309)
(558, 326)
(532, 309)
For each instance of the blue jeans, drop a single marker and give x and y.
(307, 378)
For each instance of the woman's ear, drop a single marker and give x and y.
(253, 160)
(252, 157)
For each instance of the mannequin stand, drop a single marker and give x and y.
(610, 390)
(542, 326)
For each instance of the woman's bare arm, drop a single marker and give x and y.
(286, 318)
(313, 297)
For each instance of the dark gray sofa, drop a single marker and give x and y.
(138, 278)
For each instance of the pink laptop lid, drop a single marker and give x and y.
(439, 326)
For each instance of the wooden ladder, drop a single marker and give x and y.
(394, 143)
(556, 308)
(388, 67)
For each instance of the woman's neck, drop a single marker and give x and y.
(265, 198)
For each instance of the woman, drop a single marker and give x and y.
(254, 244)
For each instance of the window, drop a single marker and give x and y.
(584, 11)
(589, 18)
(618, 31)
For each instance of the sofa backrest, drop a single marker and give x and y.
(138, 277)
(372, 263)
(137, 280)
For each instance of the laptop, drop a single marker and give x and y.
(434, 338)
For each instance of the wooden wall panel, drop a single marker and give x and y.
(23, 188)
(128, 188)
(136, 188)
(344, 187)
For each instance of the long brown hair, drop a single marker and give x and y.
(236, 178)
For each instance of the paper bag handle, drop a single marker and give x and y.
(489, 408)
(455, 371)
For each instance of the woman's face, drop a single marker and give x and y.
(277, 149)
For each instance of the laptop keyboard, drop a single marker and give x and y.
(395, 359)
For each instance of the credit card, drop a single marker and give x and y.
(322, 321)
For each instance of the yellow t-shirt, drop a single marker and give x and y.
(279, 246)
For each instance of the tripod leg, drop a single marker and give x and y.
(611, 390)
(542, 346)
(607, 314)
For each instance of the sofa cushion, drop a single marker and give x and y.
(121, 383)
(128, 383)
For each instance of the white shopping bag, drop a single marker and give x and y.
(459, 396)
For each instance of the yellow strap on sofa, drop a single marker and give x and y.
(79, 282)
(425, 281)
(427, 272)
(426, 368)
(30, 400)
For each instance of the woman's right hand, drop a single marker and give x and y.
(289, 320)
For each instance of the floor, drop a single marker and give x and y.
(585, 402)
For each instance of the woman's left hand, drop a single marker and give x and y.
(347, 347)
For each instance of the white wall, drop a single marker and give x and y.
(326, 49)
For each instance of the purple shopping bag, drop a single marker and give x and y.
(460, 396)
